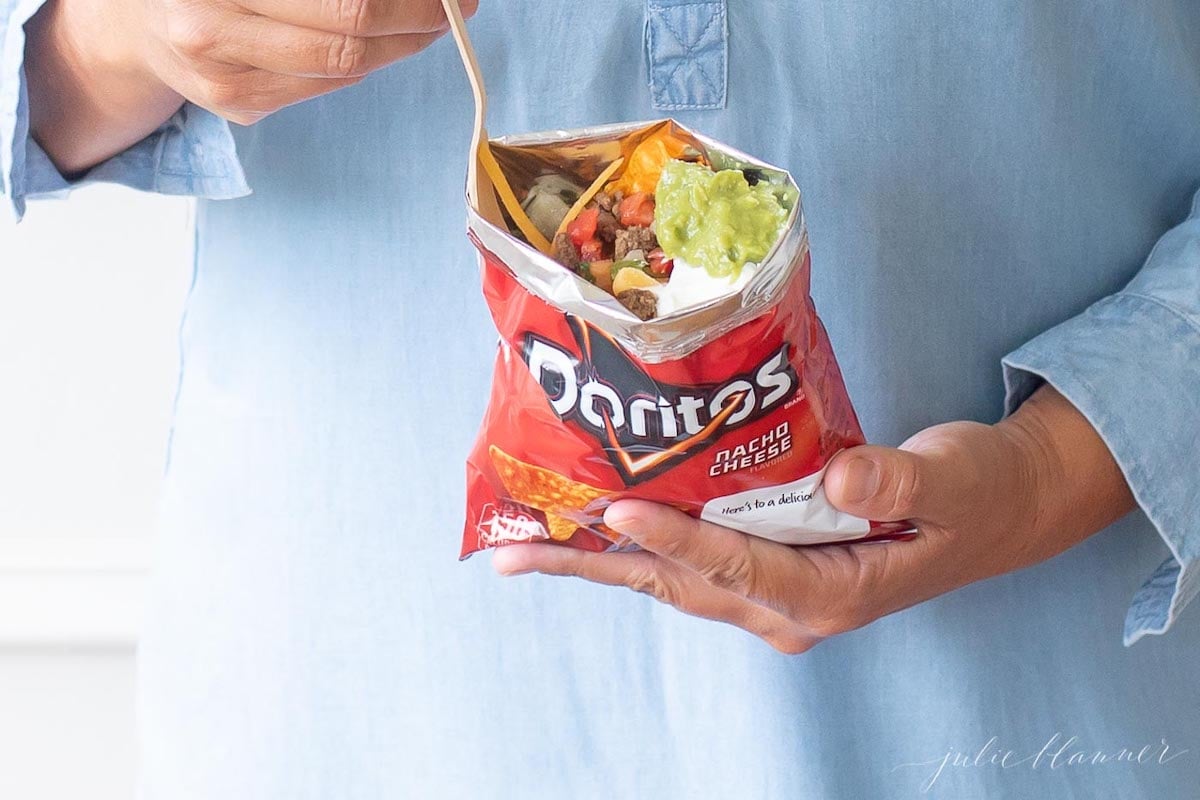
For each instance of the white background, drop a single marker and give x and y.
(91, 290)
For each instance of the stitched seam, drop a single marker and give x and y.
(201, 175)
(680, 61)
(1144, 613)
(688, 106)
(1163, 304)
(689, 54)
(689, 49)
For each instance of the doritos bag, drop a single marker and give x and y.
(729, 409)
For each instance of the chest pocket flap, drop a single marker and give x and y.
(687, 49)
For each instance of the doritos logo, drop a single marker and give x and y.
(643, 425)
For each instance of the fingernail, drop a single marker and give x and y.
(623, 517)
(860, 480)
(504, 563)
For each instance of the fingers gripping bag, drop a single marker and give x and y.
(657, 341)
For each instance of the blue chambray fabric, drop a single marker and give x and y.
(1130, 363)
(190, 154)
(687, 47)
(978, 182)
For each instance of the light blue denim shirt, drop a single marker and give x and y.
(1001, 178)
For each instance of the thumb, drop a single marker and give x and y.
(883, 484)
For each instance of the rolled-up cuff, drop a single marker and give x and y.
(192, 153)
(1131, 365)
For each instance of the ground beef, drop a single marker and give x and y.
(565, 252)
(607, 226)
(606, 201)
(636, 238)
(642, 302)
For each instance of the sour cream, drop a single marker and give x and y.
(691, 286)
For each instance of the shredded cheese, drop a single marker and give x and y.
(511, 204)
(588, 194)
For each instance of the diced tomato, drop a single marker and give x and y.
(660, 265)
(583, 227)
(636, 209)
(592, 250)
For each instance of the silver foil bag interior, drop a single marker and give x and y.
(581, 155)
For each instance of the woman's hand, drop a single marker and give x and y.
(105, 73)
(987, 499)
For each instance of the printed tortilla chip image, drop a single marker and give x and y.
(561, 528)
(546, 491)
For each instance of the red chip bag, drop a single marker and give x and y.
(729, 411)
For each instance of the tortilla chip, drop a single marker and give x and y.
(547, 491)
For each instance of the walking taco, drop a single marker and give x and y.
(658, 341)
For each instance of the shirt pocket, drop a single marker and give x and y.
(687, 49)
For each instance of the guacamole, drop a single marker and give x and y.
(718, 220)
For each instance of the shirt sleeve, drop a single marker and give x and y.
(1131, 364)
(192, 153)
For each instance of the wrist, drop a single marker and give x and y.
(92, 90)
(1038, 464)
(1076, 486)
